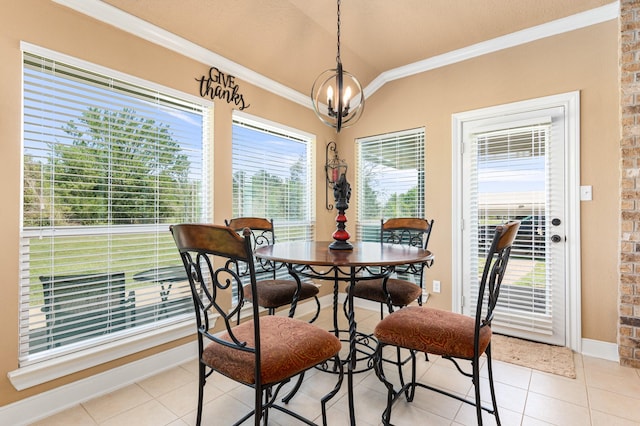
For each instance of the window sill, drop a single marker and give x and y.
(51, 369)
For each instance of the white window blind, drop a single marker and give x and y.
(508, 183)
(391, 179)
(272, 176)
(108, 165)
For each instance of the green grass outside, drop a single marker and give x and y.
(128, 253)
(536, 278)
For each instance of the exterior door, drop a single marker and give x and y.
(513, 168)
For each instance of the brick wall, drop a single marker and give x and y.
(629, 310)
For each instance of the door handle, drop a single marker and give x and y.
(556, 238)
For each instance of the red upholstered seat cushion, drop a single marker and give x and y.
(276, 293)
(289, 346)
(432, 330)
(402, 292)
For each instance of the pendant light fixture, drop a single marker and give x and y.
(342, 92)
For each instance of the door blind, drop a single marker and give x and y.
(508, 182)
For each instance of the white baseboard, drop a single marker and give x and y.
(599, 349)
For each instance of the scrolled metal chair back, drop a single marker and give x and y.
(407, 231)
(493, 272)
(262, 234)
(210, 254)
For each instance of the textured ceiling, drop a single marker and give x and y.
(292, 41)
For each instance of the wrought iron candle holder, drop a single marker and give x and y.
(334, 167)
(341, 193)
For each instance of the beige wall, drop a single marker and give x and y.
(43, 23)
(583, 60)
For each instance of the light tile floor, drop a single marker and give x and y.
(604, 393)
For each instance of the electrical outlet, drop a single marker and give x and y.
(436, 286)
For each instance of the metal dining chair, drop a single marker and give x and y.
(273, 290)
(407, 284)
(263, 353)
(451, 335)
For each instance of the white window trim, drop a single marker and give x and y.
(54, 368)
(42, 372)
(571, 102)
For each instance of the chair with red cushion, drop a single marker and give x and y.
(451, 335)
(274, 291)
(264, 352)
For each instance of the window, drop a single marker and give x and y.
(108, 164)
(390, 173)
(272, 176)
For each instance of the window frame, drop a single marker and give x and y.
(372, 233)
(53, 363)
(258, 124)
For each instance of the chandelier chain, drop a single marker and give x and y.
(338, 56)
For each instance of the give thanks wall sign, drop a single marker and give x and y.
(218, 85)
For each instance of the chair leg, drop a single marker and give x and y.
(201, 383)
(344, 308)
(295, 389)
(264, 412)
(475, 365)
(257, 409)
(377, 365)
(315, 317)
(410, 393)
(400, 375)
(409, 390)
(491, 387)
(327, 397)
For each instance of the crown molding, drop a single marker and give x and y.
(113, 16)
(548, 29)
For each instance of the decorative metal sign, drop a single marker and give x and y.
(219, 85)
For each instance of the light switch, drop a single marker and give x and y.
(585, 193)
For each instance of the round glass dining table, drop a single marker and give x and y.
(367, 260)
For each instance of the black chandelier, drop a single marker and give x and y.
(344, 95)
